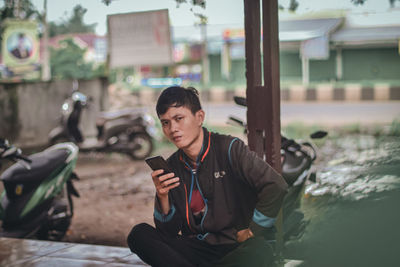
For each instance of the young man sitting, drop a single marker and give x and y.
(220, 198)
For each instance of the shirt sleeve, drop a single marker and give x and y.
(268, 184)
(170, 223)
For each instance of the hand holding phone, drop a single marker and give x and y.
(158, 163)
(166, 183)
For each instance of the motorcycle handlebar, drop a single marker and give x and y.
(24, 158)
(12, 153)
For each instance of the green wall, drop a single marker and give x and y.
(358, 64)
(371, 64)
(323, 70)
(215, 68)
(290, 65)
(238, 69)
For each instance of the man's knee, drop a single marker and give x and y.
(138, 235)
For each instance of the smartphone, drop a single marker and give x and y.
(157, 163)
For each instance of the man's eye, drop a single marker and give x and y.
(179, 118)
(164, 123)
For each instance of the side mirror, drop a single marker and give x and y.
(241, 101)
(318, 134)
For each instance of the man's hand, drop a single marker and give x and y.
(243, 235)
(163, 184)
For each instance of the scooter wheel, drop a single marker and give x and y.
(140, 146)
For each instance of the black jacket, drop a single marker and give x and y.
(239, 189)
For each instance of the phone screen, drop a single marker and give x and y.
(157, 163)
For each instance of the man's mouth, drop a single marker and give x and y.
(177, 138)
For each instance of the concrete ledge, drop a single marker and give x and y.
(297, 93)
(294, 93)
(324, 92)
(217, 94)
(25, 252)
(352, 92)
(382, 92)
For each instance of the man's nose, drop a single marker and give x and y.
(173, 126)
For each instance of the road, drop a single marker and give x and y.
(331, 114)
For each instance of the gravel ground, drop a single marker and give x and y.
(116, 193)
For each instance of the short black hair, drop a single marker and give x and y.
(176, 96)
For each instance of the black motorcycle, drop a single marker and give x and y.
(297, 169)
(38, 189)
(128, 131)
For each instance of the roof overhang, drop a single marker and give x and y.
(306, 29)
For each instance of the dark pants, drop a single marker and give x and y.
(157, 249)
(254, 252)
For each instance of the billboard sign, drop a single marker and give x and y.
(20, 50)
(139, 38)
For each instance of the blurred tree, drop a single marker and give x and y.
(67, 62)
(73, 24)
(361, 2)
(22, 9)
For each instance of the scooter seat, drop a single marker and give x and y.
(43, 164)
(113, 115)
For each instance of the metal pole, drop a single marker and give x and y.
(17, 8)
(46, 74)
(205, 63)
(305, 69)
(339, 63)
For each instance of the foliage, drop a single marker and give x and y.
(293, 5)
(73, 24)
(24, 10)
(67, 62)
(361, 2)
(200, 3)
(395, 127)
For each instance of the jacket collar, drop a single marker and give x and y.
(205, 148)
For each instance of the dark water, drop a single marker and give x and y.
(354, 208)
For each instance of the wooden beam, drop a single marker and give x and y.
(253, 75)
(272, 120)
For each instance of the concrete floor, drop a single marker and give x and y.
(35, 253)
(24, 252)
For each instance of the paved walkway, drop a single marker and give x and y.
(35, 253)
(24, 252)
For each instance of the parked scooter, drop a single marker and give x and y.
(128, 131)
(297, 168)
(38, 189)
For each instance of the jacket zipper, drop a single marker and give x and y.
(204, 199)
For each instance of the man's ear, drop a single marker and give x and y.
(200, 115)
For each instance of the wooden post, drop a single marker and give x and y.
(272, 122)
(263, 101)
(253, 75)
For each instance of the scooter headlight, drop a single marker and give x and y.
(65, 106)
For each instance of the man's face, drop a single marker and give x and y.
(181, 126)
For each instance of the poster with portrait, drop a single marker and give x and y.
(20, 50)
